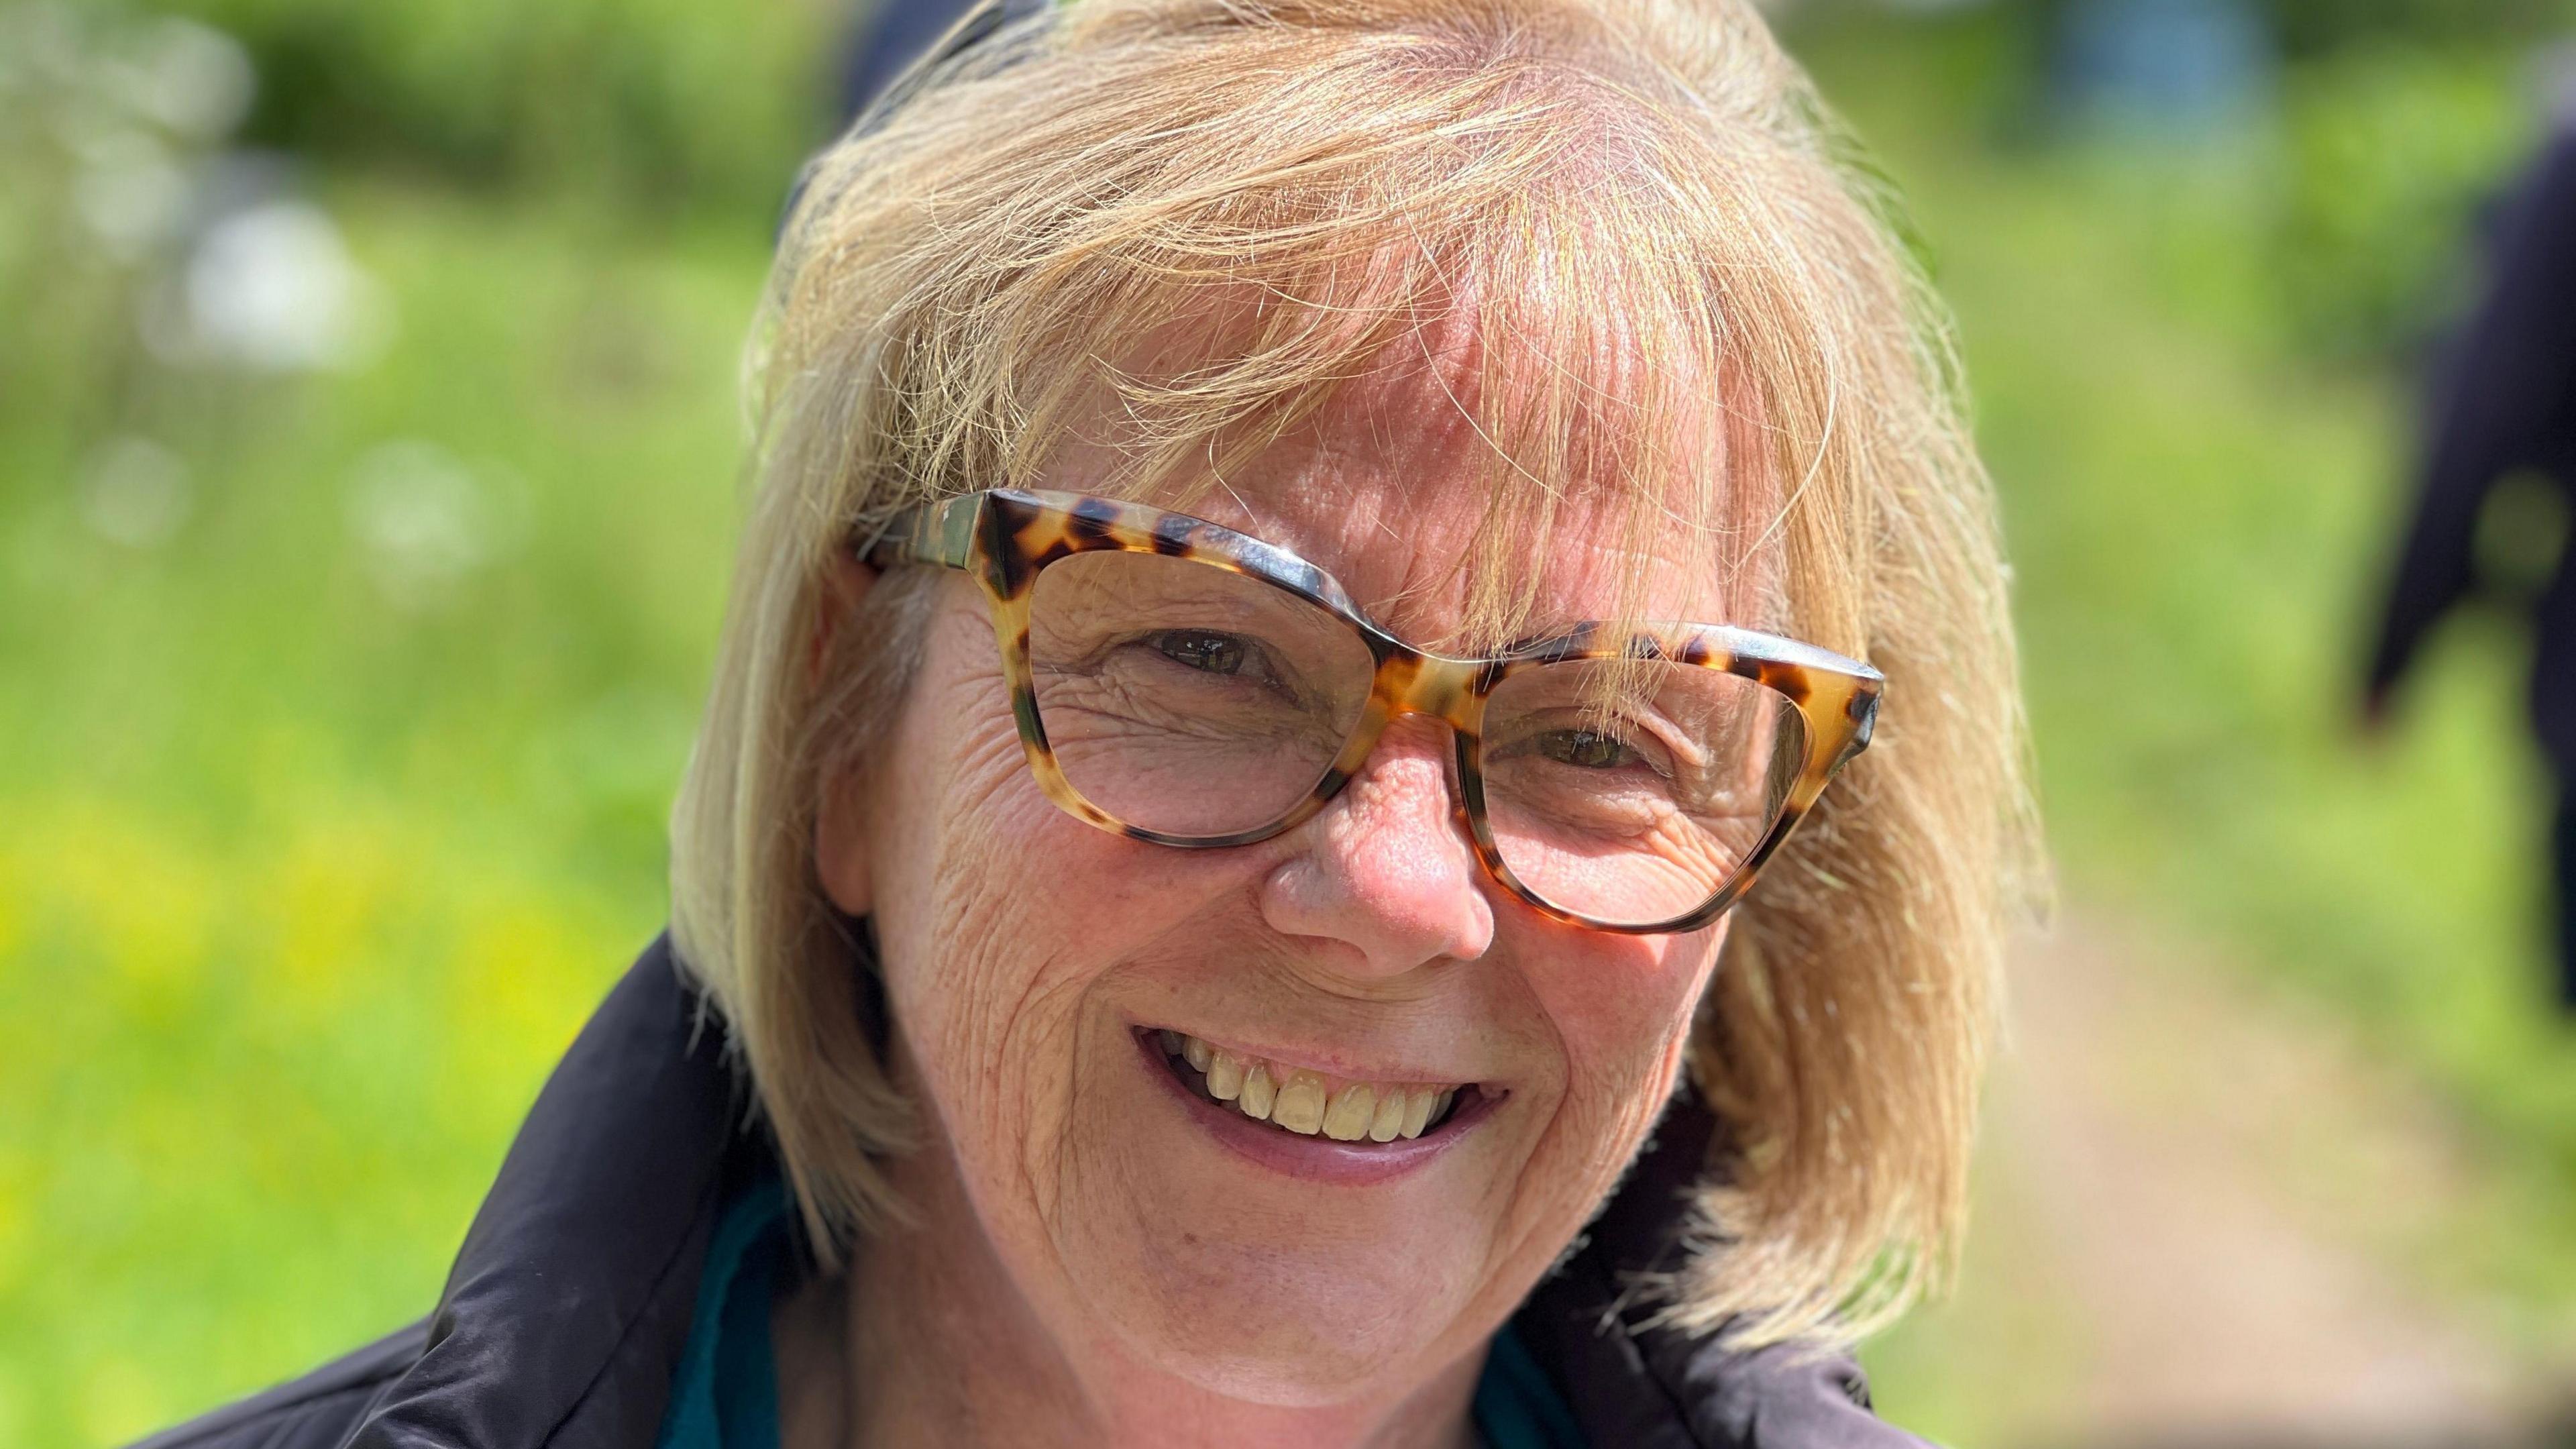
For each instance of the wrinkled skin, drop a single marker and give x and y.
(1091, 1265)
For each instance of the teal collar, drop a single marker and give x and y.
(725, 1395)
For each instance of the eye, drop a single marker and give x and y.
(1586, 749)
(1203, 649)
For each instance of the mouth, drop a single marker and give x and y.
(1295, 1101)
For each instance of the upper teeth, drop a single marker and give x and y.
(1309, 1102)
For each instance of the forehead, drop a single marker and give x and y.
(1407, 486)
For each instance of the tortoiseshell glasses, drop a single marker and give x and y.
(1181, 683)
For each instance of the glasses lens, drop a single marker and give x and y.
(1187, 699)
(1631, 791)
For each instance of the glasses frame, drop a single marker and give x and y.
(1003, 537)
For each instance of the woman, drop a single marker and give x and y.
(1306, 555)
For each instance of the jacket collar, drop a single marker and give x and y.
(570, 1300)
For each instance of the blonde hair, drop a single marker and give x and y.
(1659, 237)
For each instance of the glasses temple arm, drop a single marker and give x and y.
(933, 533)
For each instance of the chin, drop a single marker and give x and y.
(1264, 1287)
(1262, 1326)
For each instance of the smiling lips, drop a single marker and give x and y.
(1306, 1102)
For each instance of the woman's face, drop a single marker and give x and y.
(1032, 962)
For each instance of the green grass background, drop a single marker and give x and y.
(305, 880)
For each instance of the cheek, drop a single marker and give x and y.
(995, 914)
(1622, 1008)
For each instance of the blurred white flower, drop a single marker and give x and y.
(136, 492)
(134, 104)
(38, 44)
(131, 193)
(191, 78)
(426, 521)
(270, 288)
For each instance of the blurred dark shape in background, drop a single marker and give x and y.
(2502, 410)
(2171, 67)
(898, 34)
(370, 442)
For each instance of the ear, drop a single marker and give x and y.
(840, 834)
(846, 582)
(841, 848)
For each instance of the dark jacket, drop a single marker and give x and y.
(569, 1303)
(2504, 399)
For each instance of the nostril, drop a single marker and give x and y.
(1397, 897)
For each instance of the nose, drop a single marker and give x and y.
(1386, 871)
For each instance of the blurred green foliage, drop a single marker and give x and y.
(2317, 27)
(343, 704)
(314, 864)
(339, 712)
(656, 102)
(2393, 153)
(2392, 127)
(2305, 29)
